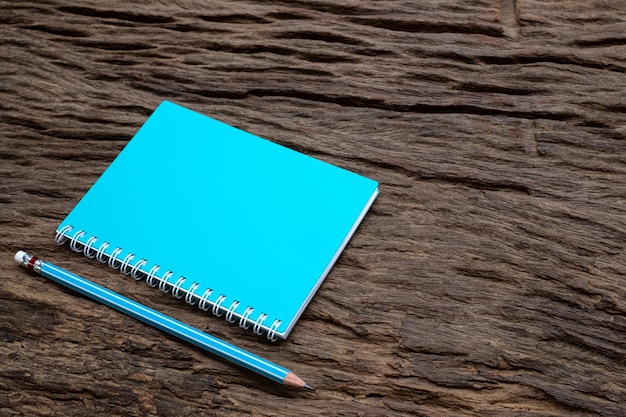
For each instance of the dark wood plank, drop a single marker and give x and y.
(489, 277)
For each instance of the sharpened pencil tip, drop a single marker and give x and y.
(295, 381)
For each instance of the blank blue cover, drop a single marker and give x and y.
(253, 227)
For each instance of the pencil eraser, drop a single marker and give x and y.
(19, 256)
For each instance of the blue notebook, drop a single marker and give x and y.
(228, 221)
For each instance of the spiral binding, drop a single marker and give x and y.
(165, 281)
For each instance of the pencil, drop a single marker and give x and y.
(161, 321)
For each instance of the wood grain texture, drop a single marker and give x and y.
(489, 278)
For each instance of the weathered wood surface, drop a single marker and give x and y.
(488, 279)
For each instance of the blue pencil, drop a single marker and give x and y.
(161, 321)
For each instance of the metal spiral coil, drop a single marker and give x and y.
(138, 270)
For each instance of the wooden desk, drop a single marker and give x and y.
(489, 279)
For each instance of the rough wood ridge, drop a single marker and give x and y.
(489, 279)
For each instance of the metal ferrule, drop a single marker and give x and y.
(31, 262)
(37, 266)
